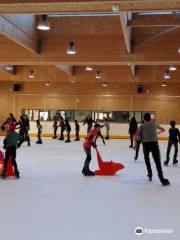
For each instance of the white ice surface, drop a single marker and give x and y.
(53, 201)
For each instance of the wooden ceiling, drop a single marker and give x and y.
(125, 45)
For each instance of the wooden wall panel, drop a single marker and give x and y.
(115, 104)
(166, 109)
(6, 105)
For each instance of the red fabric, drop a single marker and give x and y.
(1, 161)
(10, 171)
(107, 168)
(90, 139)
(11, 127)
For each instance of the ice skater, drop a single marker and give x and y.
(77, 129)
(23, 131)
(9, 120)
(107, 126)
(132, 130)
(39, 127)
(89, 142)
(55, 125)
(10, 144)
(63, 128)
(174, 138)
(68, 130)
(27, 127)
(148, 132)
(137, 146)
(89, 121)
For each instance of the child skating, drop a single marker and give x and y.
(10, 144)
(89, 142)
(77, 128)
(39, 127)
(68, 130)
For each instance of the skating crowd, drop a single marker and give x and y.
(146, 133)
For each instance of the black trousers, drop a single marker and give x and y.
(88, 158)
(68, 135)
(169, 149)
(131, 138)
(55, 131)
(10, 152)
(152, 147)
(39, 137)
(62, 133)
(137, 148)
(77, 134)
(24, 137)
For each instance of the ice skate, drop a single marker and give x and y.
(175, 161)
(165, 182)
(3, 174)
(149, 177)
(166, 163)
(17, 175)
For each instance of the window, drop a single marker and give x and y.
(80, 115)
(101, 115)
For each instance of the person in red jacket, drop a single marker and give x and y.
(89, 142)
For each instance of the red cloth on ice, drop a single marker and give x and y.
(107, 168)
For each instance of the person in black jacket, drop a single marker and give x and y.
(63, 128)
(77, 128)
(68, 130)
(28, 128)
(89, 122)
(132, 129)
(23, 131)
(174, 138)
(55, 125)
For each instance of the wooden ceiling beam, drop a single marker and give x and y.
(155, 21)
(127, 37)
(55, 6)
(126, 31)
(66, 69)
(11, 27)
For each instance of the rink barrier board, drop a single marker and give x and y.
(81, 136)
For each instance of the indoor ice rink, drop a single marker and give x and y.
(74, 70)
(53, 200)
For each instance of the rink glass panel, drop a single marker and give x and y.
(80, 115)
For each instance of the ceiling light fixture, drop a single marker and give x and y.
(163, 85)
(9, 68)
(105, 84)
(89, 68)
(98, 74)
(47, 84)
(115, 8)
(179, 50)
(172, 68)
(167, 75)
(43, 24)
(31, 75)
(71, 49)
